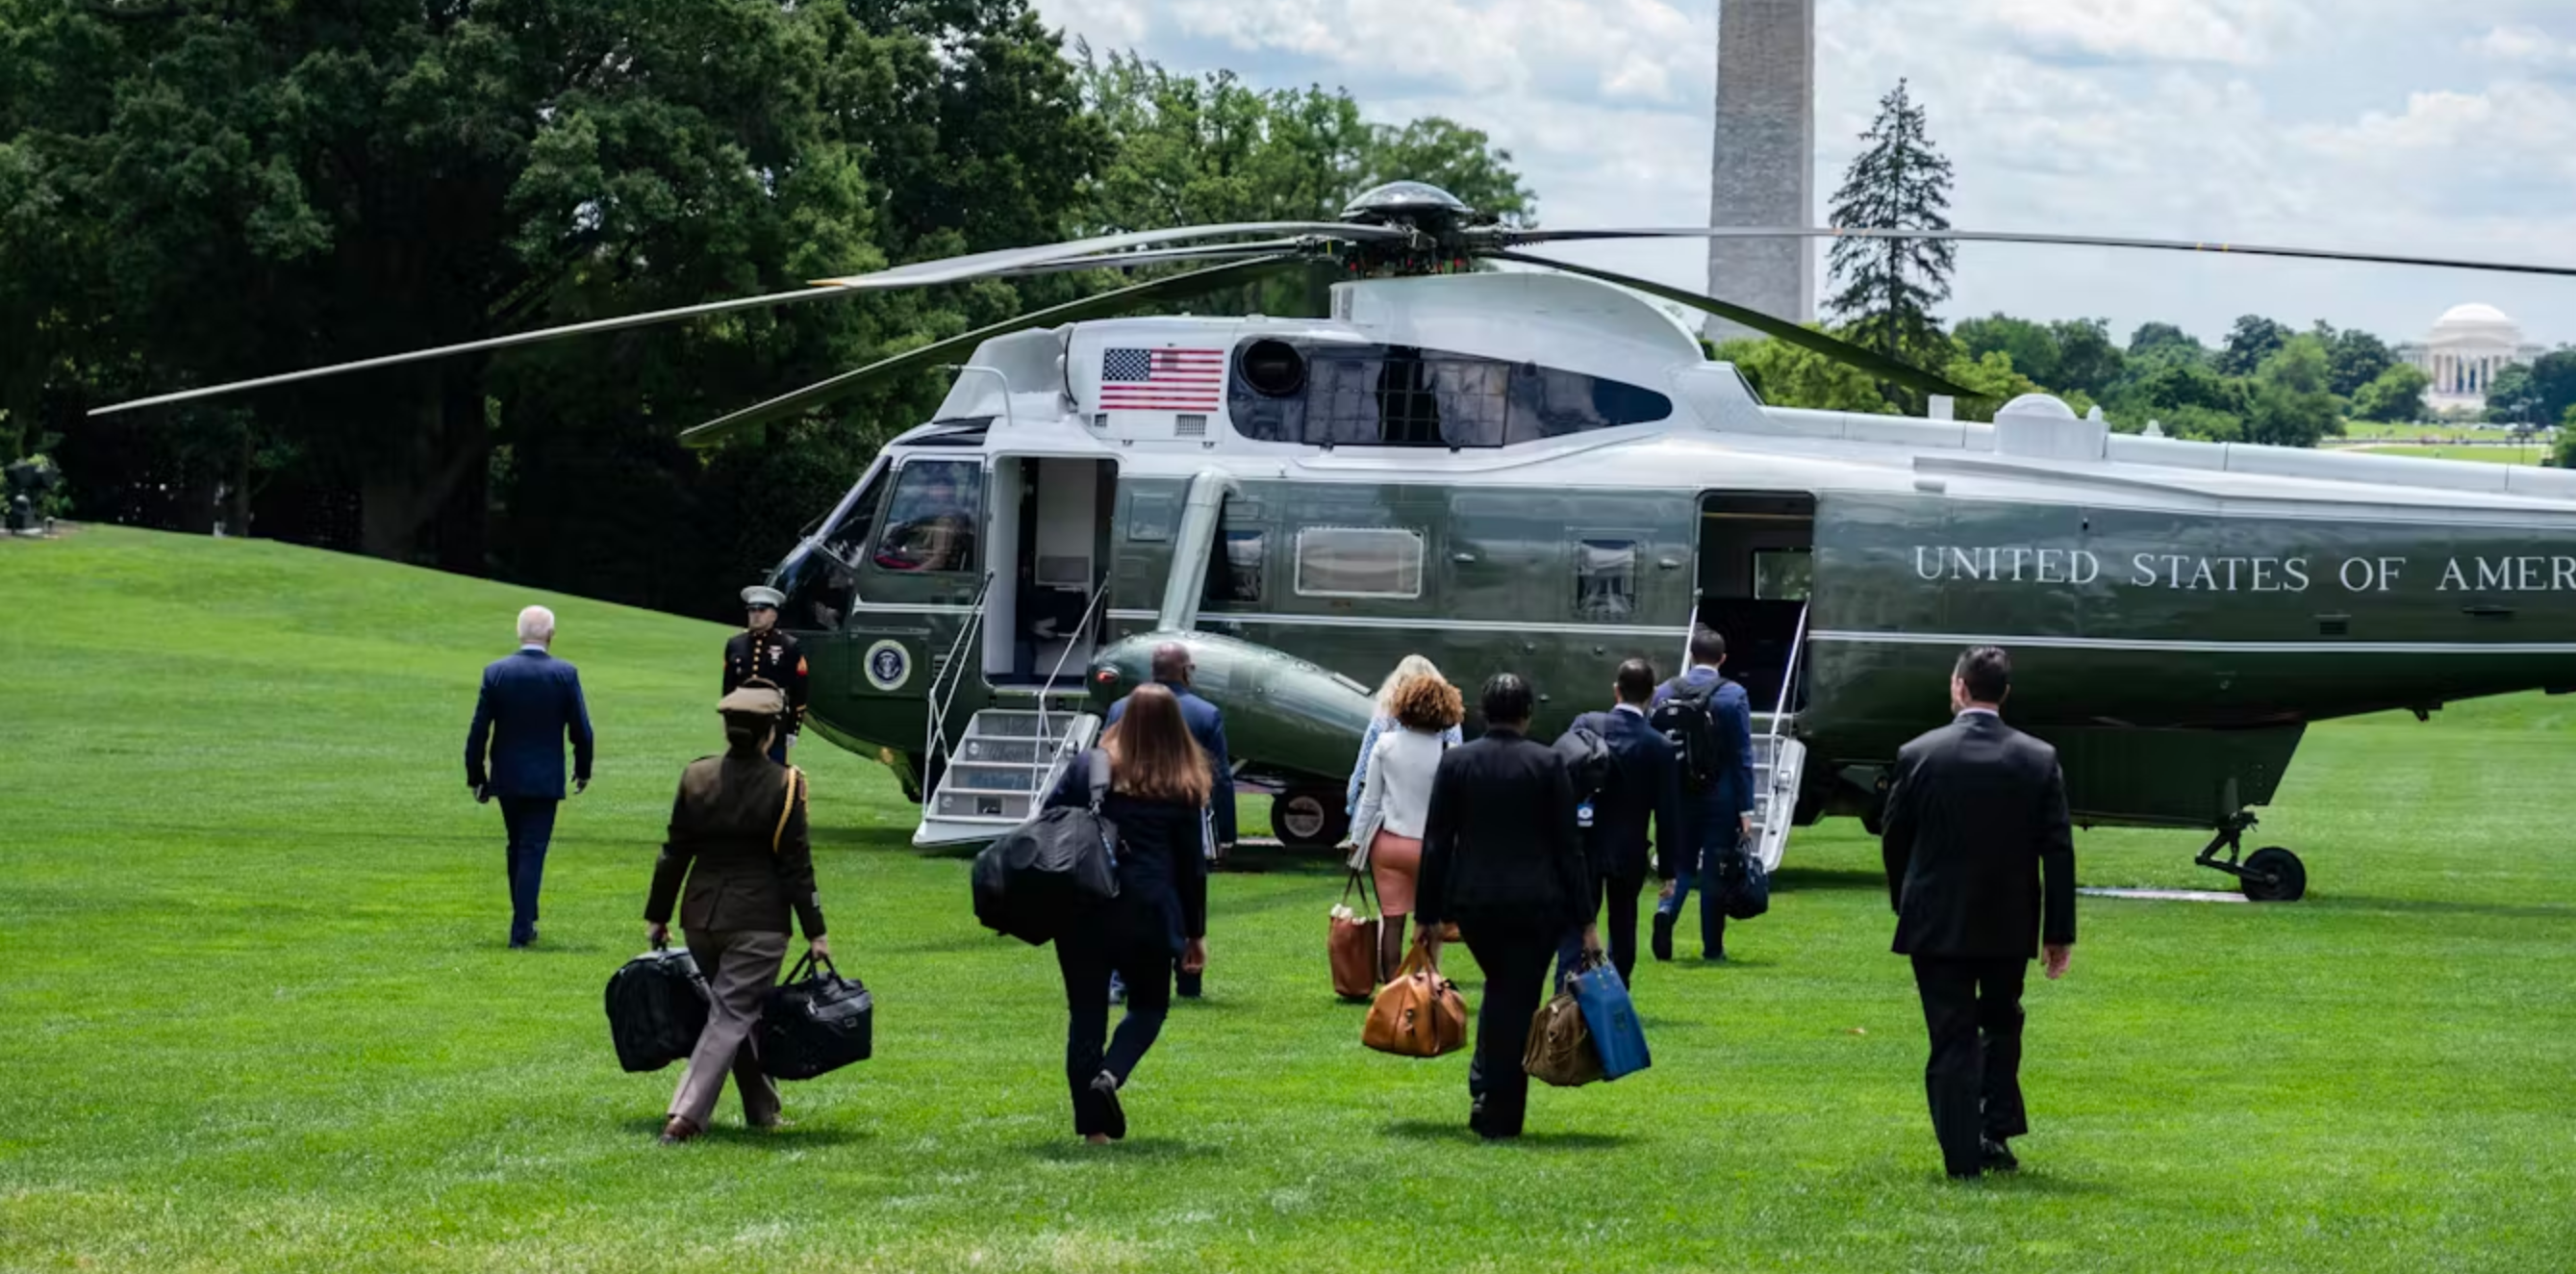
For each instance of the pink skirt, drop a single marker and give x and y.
(1395, 862)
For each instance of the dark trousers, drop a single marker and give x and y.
(1618, 933)
(1972, 1008)
(1087, 957)
(1707, 832)
(531, 824)
(1514, 958)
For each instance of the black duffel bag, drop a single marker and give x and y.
(812, 1025)
(657, 1006)
(1051, 870)
(1742, 885)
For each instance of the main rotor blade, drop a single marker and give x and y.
(1841, 351)
(1166, 256)
(791, 403)
(979, 264)
(1079, 254)
(1511, 238)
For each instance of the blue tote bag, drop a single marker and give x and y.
(1611, 1019)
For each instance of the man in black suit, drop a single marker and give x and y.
(1501, 858)
(1976, 810)
(1643, 787)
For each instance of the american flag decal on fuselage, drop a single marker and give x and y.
(1161, 379)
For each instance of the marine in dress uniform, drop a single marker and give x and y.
(761, 653)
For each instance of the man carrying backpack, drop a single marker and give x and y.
(1711, 722)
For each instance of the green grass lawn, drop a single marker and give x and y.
(260, 1015)
(2530, 454)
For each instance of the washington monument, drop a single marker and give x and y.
(1763, 165)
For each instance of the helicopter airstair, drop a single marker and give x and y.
(1001, 770)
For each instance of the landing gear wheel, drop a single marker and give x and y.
(1307, 819)
(2273, 874)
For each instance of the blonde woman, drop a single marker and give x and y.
(1395, 794)
(1408, 667)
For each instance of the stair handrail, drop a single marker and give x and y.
(1046, 693)
(1780, 707)
(935, 733)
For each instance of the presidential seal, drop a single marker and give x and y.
(887, 665)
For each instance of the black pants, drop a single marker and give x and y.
(1086, 958)
(1618, 933)
(1973, 1009)
(1514, 958)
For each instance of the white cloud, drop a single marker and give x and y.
(2523, 44)
(2238, 32)
(2366, 124)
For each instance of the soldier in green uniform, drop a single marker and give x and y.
(762, 655)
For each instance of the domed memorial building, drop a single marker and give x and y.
(2469, 347)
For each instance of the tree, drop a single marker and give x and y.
(2087, 361)
(2293, 404)
(2253, 340)
(1787, 375)
(2164, 343)
(2562, 454)
(2397, 395)
(1899, 181)
(2357, 358)
(2514, 398)
(2033, 347)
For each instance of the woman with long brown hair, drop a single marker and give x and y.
(1158, 789)
(1395, 791)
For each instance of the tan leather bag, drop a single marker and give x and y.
(1560, 1050)
(1351, 943)
(1419, 1013)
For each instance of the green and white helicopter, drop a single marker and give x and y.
(1538, 470)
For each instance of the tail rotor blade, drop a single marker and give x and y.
(792, 403)
(1876, 364)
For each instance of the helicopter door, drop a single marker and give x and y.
(1051, 542)
(1756, 565)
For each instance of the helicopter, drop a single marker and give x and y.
(1538, 470)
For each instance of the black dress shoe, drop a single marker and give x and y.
(1105, 1086)
(1663, 935)
(1998, 1157)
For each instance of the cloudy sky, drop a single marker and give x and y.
(2392, 125)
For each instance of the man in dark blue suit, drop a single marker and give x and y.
(1643, 786)
(1720, 816)
(1172, 669)
(530, 701)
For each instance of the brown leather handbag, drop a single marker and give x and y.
(1419, 1013)
(1560, 1050)
(1351, 943)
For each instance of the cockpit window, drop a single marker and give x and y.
(1406, 396)
(820, 580)
(931, 524)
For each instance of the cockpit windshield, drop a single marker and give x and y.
(820, 579)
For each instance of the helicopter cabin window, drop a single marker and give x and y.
(1332, 395)
(1605, 579)
(1783, 575)
(930, 525)
(1345, 561)
(1241, 571)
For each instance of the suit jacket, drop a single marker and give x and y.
(1643, 786)
(738, 836)
(1207, 725)
(1499, 844)
(529, 703)
(1976, 810)
(1732, 713)
(1162, 874)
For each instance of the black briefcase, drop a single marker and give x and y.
(815, 1022)
(657, 1006)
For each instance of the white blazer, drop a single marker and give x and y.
(1396, 794)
